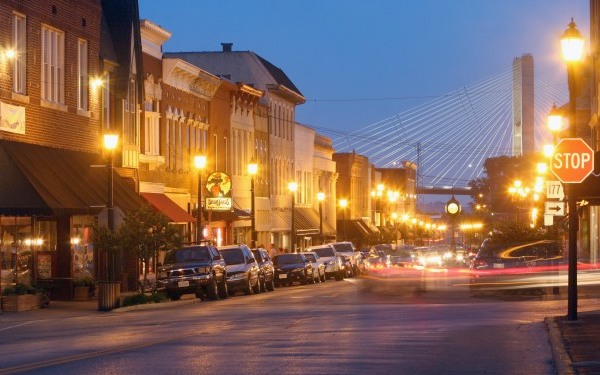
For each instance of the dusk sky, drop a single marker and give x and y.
(335, 51)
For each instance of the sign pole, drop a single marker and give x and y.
(572, 274)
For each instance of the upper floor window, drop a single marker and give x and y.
(82, 74)
(53, 65)
(20, 48)
(106, 101)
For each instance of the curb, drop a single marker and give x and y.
(562, 360)
(149, 306)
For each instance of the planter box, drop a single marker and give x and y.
(23, 302)
(81, 293)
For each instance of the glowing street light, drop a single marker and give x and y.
(321, 198)
(343, 204)
(200, 164)
(293, 187)
(572, 49)
(252, 170)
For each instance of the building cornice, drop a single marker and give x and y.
(283, 91)
(189, 78)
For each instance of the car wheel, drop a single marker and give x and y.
(223, 290)
(263, 284)
(212, 290)
(271, 285)
(256, 288)
(248, 289)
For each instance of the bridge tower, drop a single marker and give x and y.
(523, 96)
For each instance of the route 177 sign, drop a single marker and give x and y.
(218, 192)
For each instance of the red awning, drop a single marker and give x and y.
(164, 204)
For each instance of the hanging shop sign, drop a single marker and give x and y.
(218, 192)
(12, 118)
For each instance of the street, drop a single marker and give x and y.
(330, 328)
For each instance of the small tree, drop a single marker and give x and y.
(108, 242)
(144, 232)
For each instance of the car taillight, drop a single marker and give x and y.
(478, 263)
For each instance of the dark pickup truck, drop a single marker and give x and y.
(198, 269)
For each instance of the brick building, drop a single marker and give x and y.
(53, 113)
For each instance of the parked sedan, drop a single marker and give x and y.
(318, 266)
(242, 269)
(292, 267)
(267, 271)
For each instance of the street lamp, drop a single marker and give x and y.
(252, 169)
(554, 121)
(321, 198)
(292, 186)
(343, 205)
(572, 50)
(200, 163)
(110, 143)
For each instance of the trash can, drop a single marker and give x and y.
(109, 295)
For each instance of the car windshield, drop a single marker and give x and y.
(232, 256)
(324, 252)
(188, 254)
(257, 255)
(288, 259)
(343, 248)
(310, 257)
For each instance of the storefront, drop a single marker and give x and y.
(49, 200)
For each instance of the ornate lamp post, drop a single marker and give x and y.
(343, 205)
(252, 169)
(321, 198)
(292, 186)
(453, 209)
(200, 163)
(572, 51)
(110, 143)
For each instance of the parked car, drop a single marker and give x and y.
(347, 266)
(516, 265)
(331, 259)
(242, 269)
(266, 273)
(352, 254)
(196, 269)
(318, 265)
(292, 267)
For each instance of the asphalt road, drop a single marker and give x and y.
(330, 328)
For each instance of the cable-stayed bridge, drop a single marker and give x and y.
(450, 136)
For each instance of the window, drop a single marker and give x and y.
(53, 65)
(130, 117)
(20, 48)
(106, 101)
(151, 141)
(82, 75)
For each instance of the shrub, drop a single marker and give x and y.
(86, 281)
(139, 299)
(19, 289)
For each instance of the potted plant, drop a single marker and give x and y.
(83, 289)
(20, 297)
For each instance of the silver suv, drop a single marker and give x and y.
(348, 250)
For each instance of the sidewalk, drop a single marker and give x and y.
(69, 309)
(576, 344)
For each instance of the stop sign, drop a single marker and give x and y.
(573, 160)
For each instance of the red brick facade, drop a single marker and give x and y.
(60, 126)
